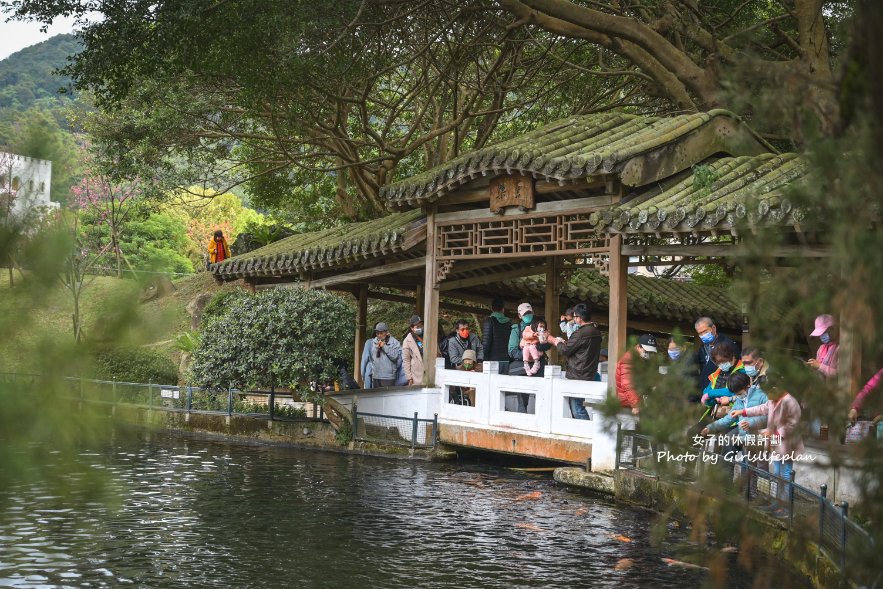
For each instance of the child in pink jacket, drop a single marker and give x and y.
(783, 418)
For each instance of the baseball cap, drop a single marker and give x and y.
(823, 322)
(648, 342)
(414, 320)
(524, 308)
(381, 327)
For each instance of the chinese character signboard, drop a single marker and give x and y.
(506, 191)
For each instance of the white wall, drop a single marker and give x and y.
(30, 179)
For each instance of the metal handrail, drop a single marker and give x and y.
(788, 500)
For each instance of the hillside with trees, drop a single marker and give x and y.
(27, 77)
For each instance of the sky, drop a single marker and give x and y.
(16, 35)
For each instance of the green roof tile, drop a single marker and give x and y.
(568, 149)
(752, 188)
(328, 248)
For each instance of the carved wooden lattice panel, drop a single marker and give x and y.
(523, 236)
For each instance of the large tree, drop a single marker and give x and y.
(299, 98)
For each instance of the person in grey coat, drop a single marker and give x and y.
(385, 357)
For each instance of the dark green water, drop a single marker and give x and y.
(194, 513)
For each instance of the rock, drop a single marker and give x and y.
(578, 477)
(195, 308)
(156, 288)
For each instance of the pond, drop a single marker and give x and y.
(196, 513)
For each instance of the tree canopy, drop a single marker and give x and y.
(302, 99)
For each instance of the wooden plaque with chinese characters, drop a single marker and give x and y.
(506, 191)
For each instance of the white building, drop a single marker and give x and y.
(27, 180)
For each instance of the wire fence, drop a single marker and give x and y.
(398, 431)
(413, 432)
(798, 507)
(281, 405)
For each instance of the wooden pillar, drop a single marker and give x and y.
(430, 302)
(420, 302)
(361, 329)
(849, 362)
(619, 266)
(552, 309)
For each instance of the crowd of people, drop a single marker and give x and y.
(744, 403)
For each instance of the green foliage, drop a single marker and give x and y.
(703, 178)
(246, 406)
(344, 433)
(150, 241)
(187, 341)
(259, 234)
(142, 365)
(279, 337)
(709, 275)
(219, 304)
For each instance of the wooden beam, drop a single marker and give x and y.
(465, 197)
(618, 312)
(591, 183)
(466, 282)
(367, 273)
(721, 251)
(431, 300)
(571, 206)
(384, 296)
(361, 329)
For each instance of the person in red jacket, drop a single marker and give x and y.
(625, 390)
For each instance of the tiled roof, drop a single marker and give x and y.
(655, 299)
(568, 149)
(741, 188)
(324, 249)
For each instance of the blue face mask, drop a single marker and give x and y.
(725, 367)
(707, 337)
(674, 354)
(751, 371)
(527, 318)
(825, 338)
(419, 331)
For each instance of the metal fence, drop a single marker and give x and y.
(274, 405)
(797, 506)
(399, 431)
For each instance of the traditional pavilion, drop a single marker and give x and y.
(557, 216)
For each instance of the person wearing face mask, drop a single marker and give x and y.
(724, 356)
(826, 358)
(744, 395)
(782, 433)
(461, 341)
(525, 314)
(385, 355)
(583, 352)
(704, 363)
(755, 367)
(625, 388)
(412, 351)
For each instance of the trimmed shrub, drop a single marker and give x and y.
(280, 337)
(135, 365)
(219, 303)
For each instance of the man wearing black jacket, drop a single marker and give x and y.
(495, 336)
(583, 351)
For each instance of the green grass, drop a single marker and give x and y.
(36, 319)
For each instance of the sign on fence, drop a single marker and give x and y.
(170, 393)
